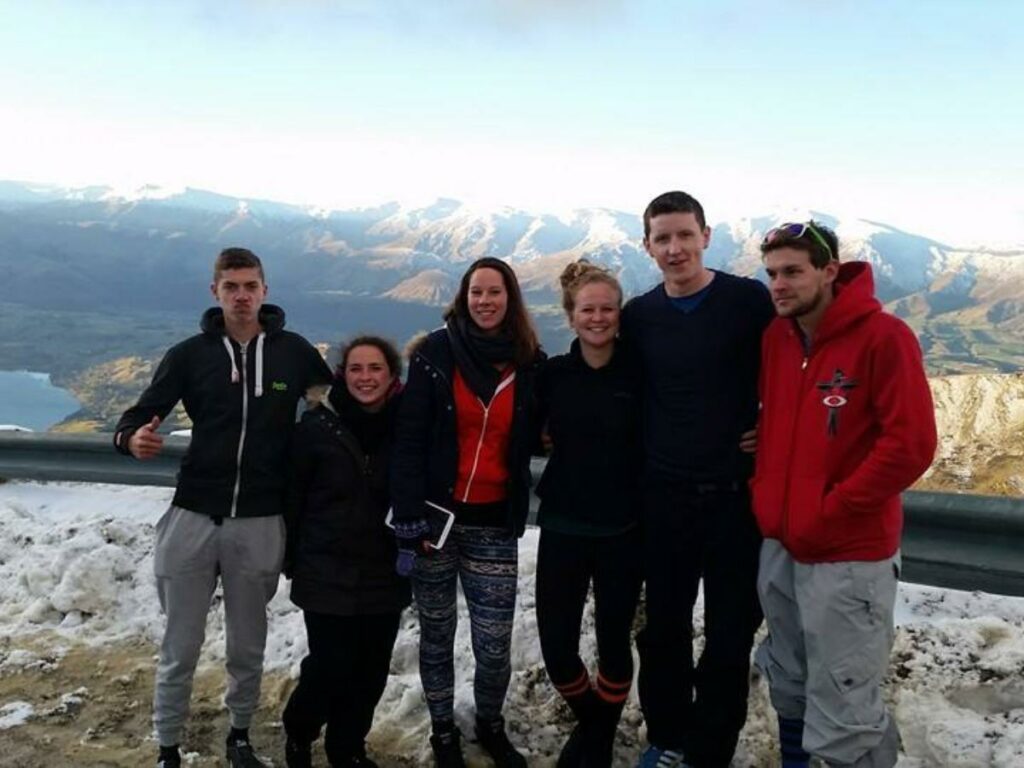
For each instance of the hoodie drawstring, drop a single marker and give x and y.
(259, 364)
(231, 356)
(235, 378)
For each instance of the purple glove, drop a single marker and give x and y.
(411, 536)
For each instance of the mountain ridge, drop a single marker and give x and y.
(94, 248)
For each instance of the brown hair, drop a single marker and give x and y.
(673, 202)
(813, 246)
(516, 324)
(236, 258)
(580, 273)
(386, 347)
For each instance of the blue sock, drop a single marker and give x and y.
(791, 735)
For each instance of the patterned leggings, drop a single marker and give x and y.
(486, 561)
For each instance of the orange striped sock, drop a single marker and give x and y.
(577, 687)
(612, 691)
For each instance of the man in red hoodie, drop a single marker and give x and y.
(846, 425)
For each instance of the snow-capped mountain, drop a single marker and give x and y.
(94, 247)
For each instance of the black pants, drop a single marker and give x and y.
(341, 680)
(692, 534)
(566, 565)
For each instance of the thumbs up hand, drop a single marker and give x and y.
(145, 443)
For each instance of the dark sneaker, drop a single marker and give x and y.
(168, 758)
(447, 746)
(655, 757)
(298, 754)
(240, 754)
(492, 737)
(571, 755)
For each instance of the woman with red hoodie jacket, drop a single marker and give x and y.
(466, 431)
(846, 425)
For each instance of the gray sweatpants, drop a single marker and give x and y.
(191, 553)
(830, 631)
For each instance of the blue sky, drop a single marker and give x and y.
(910, 112)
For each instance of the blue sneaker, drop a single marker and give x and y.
(655, 757)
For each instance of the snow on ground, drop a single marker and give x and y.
(76, 568)
(15, 713)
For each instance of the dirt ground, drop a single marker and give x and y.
(107, 723)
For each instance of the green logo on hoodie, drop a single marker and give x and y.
(279, 386)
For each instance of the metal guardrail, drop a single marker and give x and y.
(964, 541)
(87, 458)
(950, 540)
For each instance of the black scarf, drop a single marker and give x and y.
(370, 429)
(476, 354)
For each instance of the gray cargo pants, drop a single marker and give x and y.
(191, 552)
(830, 631)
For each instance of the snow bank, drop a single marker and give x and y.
(76, 565)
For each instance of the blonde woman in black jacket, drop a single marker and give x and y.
(589, 513)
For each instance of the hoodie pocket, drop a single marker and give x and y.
(806, 529)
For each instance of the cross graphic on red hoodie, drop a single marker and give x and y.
(834, 398)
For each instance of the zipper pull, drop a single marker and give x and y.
(803, 365)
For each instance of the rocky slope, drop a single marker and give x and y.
(980, 419)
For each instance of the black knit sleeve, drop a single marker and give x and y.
(162, 394)
(301, 465)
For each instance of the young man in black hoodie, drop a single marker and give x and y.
(240, 381)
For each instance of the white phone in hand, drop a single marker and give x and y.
(448, 523)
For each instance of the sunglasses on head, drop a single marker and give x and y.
(794, 231)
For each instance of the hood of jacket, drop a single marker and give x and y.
(271, 319)
(853, 300)
(423, 340)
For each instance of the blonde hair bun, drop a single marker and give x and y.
(579, 273)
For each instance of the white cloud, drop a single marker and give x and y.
(341, 170)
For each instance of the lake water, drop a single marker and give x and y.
(28, 399)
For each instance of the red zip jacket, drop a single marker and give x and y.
(483, 433)
(843, 430)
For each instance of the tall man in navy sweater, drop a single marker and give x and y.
(698, 336)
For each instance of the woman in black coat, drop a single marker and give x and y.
(589, 513)
(463, 444)
(340, 556)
